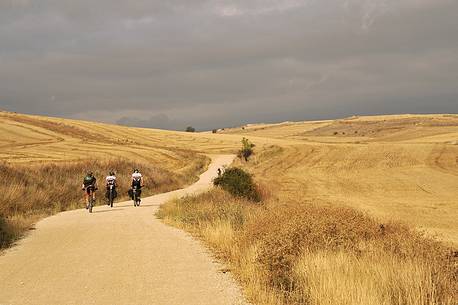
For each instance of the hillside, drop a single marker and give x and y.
(349, 193)
(395, 167)
(26, 138)
(385, 128)
(354, 211)
(43, 161)
(402, 167)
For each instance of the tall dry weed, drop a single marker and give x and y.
(309, 254)
(328, 278)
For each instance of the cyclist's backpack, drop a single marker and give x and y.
(88, 180)
(136, 182)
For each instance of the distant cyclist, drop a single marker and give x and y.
(111, 183)
(89, 187)
(137, 182)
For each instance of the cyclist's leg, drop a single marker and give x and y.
(86, 198)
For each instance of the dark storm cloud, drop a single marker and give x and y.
(171, 64)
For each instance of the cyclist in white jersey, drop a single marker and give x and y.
(137, 182)
(111, 180)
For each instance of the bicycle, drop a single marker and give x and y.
(111, 195)
(91, 200)
(136, 196)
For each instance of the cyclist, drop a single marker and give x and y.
(89, 186)
(137, 182)
(111, 181)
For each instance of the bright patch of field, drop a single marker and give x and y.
(396, 167)
(26, 138)
(393, 167)
(307, 241)
(402, 167)
(392, 128)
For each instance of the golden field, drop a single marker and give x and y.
(343, 213)
(43, 161)
(287, 253)
(344, 204)
(402, 167)
(25, 138)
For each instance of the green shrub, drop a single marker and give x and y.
(239, 183)
(190, 129)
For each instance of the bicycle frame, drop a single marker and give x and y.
(91, 199)
(111, 195)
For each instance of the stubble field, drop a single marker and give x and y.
(352, 194)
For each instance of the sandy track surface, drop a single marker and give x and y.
(122, 255)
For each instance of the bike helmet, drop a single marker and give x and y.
(90, 174)
(111, 173)
(136, 170)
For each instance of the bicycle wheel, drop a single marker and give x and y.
(111, 199)
(91, 204)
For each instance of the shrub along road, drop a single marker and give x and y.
(122, 255)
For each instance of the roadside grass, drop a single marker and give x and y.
(31, 191)
(314, 254)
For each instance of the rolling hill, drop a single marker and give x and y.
(399, 167)
(402, 167)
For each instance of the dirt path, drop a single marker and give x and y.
(122, 255)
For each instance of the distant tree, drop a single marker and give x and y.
(190, 129)
(214, 131)
(247, 149)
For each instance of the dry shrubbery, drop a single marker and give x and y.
(306, 254)
(30, 191)
(199, 211)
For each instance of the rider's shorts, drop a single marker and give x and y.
(89, 189)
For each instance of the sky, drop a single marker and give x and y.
(211, 64)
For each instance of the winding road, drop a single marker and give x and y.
(122, 255)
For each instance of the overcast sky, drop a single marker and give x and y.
(209, 64)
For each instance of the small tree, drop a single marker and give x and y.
(247, 149)
(214, 130)
(190, 129)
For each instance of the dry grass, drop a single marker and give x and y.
(44, 160)
(415, 183)
(312, 242)
(328, 278)
(393, 128)
(26, 138)
(309, 254)
(30, 191)
(303, 245)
